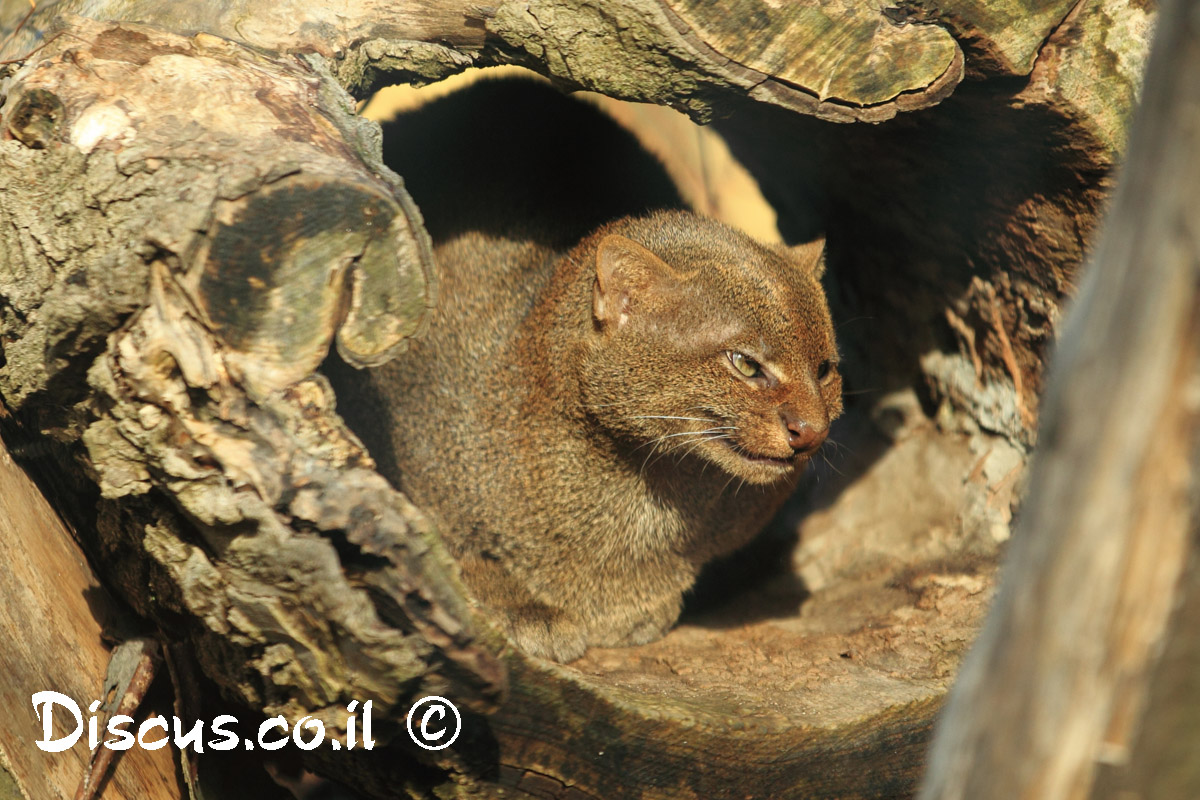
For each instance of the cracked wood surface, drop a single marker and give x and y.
(863, 64)
(846, 52)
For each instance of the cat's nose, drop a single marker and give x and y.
(802, 437)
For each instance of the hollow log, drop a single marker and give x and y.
(193, 216)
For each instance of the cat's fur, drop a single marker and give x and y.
(576, 421)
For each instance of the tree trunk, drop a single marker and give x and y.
(192, 215)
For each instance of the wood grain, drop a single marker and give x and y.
(52, 616)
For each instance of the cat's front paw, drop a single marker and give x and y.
(636, 624)
(547, 633)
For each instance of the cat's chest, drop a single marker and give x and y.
(577, 485)
(648, 513)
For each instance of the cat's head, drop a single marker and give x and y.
(708, 345)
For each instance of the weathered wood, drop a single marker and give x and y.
(680, 54)
(53, 615)
(248, 235)
(275, 219)
(790, 44)
(1057, 683)
(1000, 38)
(1160, 762)
(425, 39)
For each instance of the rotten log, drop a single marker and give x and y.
(166, 298)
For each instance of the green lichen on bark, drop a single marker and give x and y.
(840, 50)
(1091, 71)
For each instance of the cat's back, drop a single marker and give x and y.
(509, 174)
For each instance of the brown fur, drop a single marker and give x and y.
(552, 419)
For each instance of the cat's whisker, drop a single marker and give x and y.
(828, 463)
(694, 419)
(653, 444)
(700, 437)
(703, 435)
(840, 447)
(852, 319)
(716, 435)
(689, 446)
(694, 444)
(666, 436)
(642, 468)
(661, 453)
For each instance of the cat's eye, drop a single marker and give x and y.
(824, 369)
(746, 365)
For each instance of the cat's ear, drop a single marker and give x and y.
(627, 275)
(810, 256)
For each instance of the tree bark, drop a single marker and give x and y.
(173, 275)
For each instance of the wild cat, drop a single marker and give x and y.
(584, 409)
